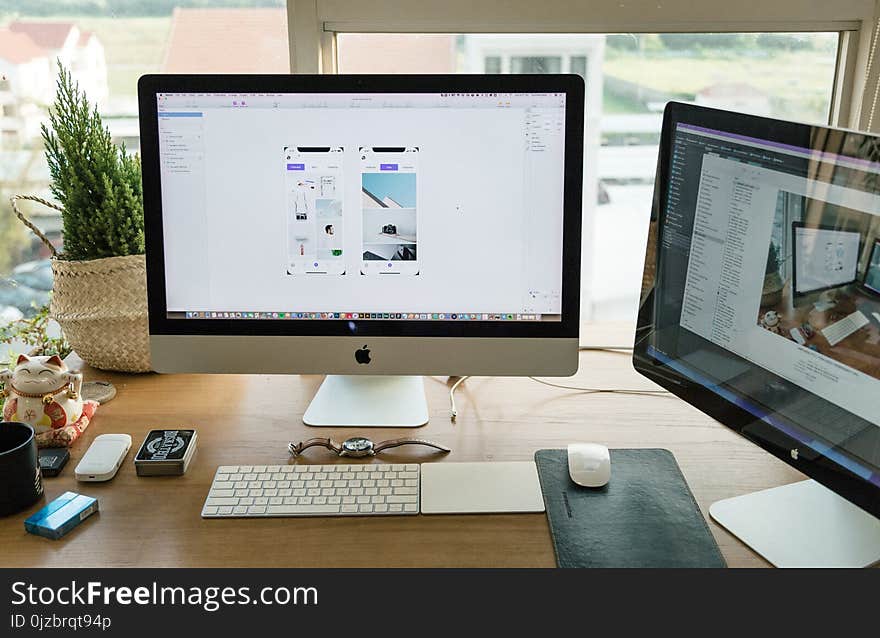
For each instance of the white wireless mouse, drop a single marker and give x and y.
(589, 464)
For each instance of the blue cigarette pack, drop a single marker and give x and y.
(61, 515)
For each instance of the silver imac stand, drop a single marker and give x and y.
(368, 402)
(803, 524)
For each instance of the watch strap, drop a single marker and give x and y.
(384, 445)
(297, 448)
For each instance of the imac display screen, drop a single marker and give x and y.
(823, 258)
(363, 206)
(760, 310)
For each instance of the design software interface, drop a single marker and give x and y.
(754, 229)
(363, 206)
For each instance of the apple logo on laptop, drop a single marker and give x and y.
(362, 355)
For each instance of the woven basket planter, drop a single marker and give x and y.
(101, 305)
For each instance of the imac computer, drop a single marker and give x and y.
(713, 332)
(371, 228)
(823, 259)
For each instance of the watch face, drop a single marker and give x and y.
(357, 446)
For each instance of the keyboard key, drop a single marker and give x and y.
(239, 510)
(409, 507)
(299, 510)
(406, 490)
(257, 509)
(401, 499)
(220, 493)
(365, 508)
(209, 510)
(228, 469)
(348, 508)
(382, 507)
(221, 501)
(276, 500)
(224, 511)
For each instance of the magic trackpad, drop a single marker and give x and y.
(495, 487)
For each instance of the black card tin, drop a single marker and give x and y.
(165, 453)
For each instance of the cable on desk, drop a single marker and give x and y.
(453, 412)
(612, 349)
(659, 393)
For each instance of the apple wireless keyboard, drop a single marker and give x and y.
(840, 330)
(258, 491)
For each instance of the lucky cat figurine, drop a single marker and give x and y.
(42, 392)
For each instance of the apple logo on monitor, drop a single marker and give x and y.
(362, 355)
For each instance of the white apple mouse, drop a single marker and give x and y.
(589, 464)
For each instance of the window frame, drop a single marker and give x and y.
(313, 25)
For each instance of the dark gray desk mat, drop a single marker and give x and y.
(645, 517)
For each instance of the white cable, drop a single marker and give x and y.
(453, 412)
(662, 393)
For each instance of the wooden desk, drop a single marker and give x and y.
(250, 419)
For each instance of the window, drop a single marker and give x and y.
(535, 64)
(492, 64)
(107, 46)
(629, 79)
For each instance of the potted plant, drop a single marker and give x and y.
(99, 294)
(771, 293)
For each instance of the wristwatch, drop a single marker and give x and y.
(358, 446)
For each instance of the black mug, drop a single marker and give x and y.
(20, 481)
